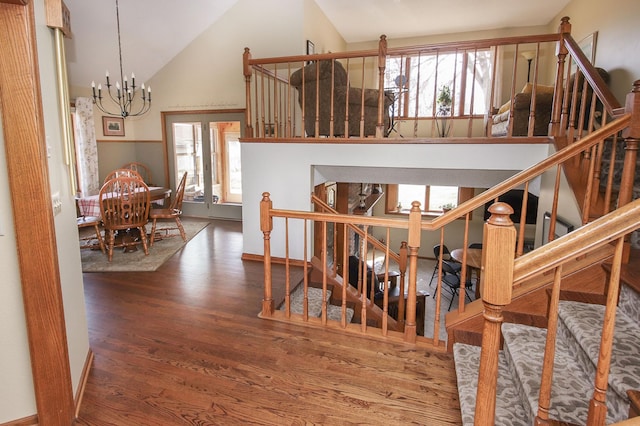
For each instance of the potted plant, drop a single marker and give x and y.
(448, 206)
(444, 100)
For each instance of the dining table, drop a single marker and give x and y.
(89, 205)
(473, 262)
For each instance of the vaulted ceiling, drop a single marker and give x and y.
(154, 31)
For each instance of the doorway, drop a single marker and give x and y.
(207, 147)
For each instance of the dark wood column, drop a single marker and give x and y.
(24, 139)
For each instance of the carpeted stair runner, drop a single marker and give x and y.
(577, 348)
(314, 296)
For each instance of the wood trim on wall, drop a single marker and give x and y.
(26, 156)
(127, 141)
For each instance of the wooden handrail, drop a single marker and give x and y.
(581, 241)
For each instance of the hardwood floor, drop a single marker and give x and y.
(184, 345)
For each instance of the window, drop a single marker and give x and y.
(418, 79)
(431, 197)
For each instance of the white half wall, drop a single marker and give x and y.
(288, 172)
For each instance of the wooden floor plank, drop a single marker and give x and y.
(184, 345)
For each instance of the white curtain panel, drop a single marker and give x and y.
(86, 148)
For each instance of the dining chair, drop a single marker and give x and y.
(451, 282)
(93, 222)
(446, 256)
(142, 169)
(122, 172)
(124, 207)
(173, 212)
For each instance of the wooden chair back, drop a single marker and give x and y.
(142, 170)
(176, 204)
(124, 203)
(123, 173)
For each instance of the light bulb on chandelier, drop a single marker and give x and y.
(124, 96)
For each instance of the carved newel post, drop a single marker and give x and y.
(266, 226)
(499, 242)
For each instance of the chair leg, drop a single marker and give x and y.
(433, 274)
(153, 233)
(181, 229)
(110, 243)
(143, 237)
(100, 240)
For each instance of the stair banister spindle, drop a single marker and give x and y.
(498, 244)
(598, 404)
(546, 380)
(266, 226)
(382, 63)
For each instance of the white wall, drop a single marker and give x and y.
(286, 171)
(16, 387)
(618, 38)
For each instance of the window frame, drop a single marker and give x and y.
(464, 194)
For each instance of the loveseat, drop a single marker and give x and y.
(322, 71)
(544, 105)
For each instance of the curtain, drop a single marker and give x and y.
(86, 148)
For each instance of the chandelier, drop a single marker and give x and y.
(123, 96)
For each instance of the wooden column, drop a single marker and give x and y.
(498, 244)
(24, 138)
(266, 226)
(558, 96)
(246, 68)
(415, 219)
(382, 64)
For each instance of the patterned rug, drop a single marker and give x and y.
(95, 261)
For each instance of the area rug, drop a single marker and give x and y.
(96, 261)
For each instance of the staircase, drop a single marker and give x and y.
(577, 347)
(315, 302)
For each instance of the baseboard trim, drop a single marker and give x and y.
(83, 382)
(276, 260)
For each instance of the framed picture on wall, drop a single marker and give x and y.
(113, 126)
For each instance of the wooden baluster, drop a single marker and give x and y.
(414, 232)
(632, 137)
(324, 272)
(598, 405)
(402, 265)
(523, 220)
(385, 302)
(546, 381)
(246, 56)
(332, 96)
(497, 277)
(317, 94)
(305, 303)
(266, 226)
(382, 63)
(362, 79)
(287, 275)
(438, 294)
(464, 270)
(346, 103)
(612, 165)
(363, 279)
(345, 274)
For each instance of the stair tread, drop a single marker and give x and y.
(509, 409)
(580, 318)
(524, 347)
(335, 313)
(314, 296)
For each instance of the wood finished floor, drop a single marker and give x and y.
(184, 346)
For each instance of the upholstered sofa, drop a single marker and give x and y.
(521, 107)
(322, 71)
(544, 104)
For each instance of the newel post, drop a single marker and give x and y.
(246, 69)
(382, 64)
(266, 226)
(415, 220)
(558, 95)
(499, 242)
(402, 265)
